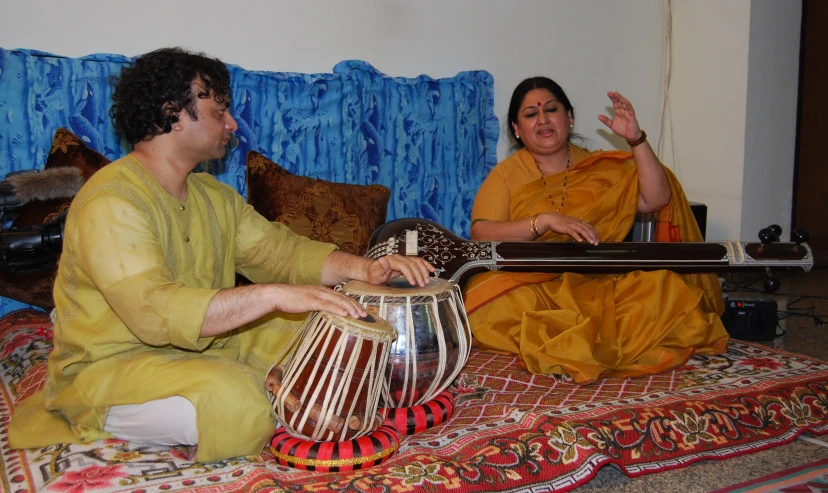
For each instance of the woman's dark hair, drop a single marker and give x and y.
(150, 93)
(521, 91)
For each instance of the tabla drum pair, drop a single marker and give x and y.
(434, 337)
(411, 346)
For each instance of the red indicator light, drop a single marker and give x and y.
(739, 304)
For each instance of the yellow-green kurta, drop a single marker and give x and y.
(591, 326)
(138, 270)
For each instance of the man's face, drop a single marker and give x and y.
(207, 133)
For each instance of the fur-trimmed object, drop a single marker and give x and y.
(52, 183)
(68, 151)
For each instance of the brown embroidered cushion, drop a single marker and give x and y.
(35, 287)
(337, 213)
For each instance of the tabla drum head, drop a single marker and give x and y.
(398, 286)
(372, 326)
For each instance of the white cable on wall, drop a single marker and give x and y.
(666, 114)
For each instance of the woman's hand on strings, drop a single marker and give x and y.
(578, 230)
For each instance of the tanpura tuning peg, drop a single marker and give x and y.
(772, 284)
(776, 230)
(800, 235)
(766, 236)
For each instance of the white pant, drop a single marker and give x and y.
(167, 422)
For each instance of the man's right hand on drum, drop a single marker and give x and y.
(341, 267)
(416, 270)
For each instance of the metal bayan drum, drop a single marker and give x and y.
(331, 388)
(434, 335)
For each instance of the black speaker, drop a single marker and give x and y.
(700, 213)
(750, 319)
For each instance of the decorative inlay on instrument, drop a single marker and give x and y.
(456, 258)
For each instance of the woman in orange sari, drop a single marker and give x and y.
(586, 326)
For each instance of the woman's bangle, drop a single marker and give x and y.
(533, 226)
(638, 141)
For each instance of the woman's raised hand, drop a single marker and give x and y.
(625, 124)
(577, 229)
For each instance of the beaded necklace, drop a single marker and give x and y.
(566, 176)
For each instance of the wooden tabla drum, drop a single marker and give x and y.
(434, 335)
(332, 385)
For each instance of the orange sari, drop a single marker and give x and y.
(590, 326)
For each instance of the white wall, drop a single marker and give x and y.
(772, 97)
(733, 100)
(733, 88)
(708, 97)
(588, 46)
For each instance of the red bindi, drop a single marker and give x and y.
(539, 103)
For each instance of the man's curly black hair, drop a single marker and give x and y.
(150, 94)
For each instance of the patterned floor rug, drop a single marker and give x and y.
(511, 431)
